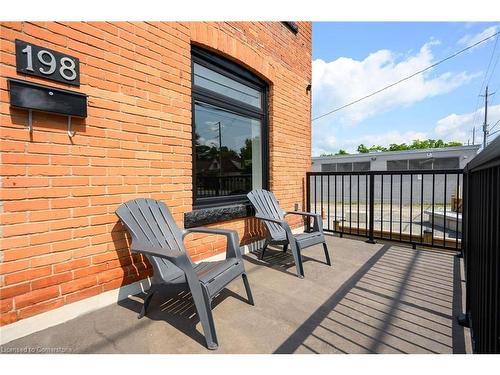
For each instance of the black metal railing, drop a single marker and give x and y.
(481, 249)
(215, 186)
(420, 207)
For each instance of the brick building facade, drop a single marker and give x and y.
(61, 241)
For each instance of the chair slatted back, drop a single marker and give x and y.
(150, 222)
(265, 204)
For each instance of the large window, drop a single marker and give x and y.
(418, 164)
(446, 163)
(230, 131)
(357, 166)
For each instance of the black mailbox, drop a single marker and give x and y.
(35, 97)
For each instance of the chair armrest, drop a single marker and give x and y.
(300, 213)
(179, 258)
(265, 218)
(155, 251)
(233, 241)
(283, 224)
(318, 223)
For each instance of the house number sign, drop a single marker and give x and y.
(46, 63)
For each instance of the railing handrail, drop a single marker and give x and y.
(435, 190)
(481, 248)
(395, 172)
(488, 158)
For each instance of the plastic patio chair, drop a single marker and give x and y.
(156, 235)
(278, 231)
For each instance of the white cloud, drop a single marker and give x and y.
(343, 80)
(458, 127)
(470, 39)
(325, 145)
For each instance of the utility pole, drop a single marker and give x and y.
(474, 135)
(220, 155)
(485, 123)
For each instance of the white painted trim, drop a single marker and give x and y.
(64, 313)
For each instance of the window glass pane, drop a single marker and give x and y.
(446, 163)
(228, 152)
(344, 167)
(397, 165)
(361, 166)
(329, 167)
(421, 163)
(223, 85)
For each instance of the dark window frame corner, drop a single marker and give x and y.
(238, 73)
(292, 26)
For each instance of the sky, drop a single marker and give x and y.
(354, 59)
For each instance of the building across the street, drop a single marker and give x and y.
(435, 158)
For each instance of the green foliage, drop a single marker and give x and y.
(415, 145)
(339, 152)
(362, 149)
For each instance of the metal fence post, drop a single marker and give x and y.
(371, 209)
(308, 199)
(463, 318)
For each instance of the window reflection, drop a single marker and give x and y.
(226, 86)
(228, 152)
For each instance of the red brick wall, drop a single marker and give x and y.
(60, 239)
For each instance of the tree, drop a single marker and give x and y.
(377, 148)
(398, 147)
(362, 149)
(415, 145)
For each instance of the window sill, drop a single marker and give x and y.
(205, 216)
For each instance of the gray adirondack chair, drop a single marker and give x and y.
(156, 235)
(279, 232)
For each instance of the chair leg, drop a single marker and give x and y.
(204, 310)
(285, 247)
(146, 303)
(264, 249)
(297, 257)
(247, 288)
(326, 254)
(207, 322)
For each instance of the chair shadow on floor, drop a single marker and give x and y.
(175, 306)
(278, 260)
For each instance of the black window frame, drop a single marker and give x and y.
(329, 167)
(361, 166)
(233, 71)
(438, 160)
(390, 162)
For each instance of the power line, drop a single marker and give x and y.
(406, 78)
(484, 81)
(496, 131)
(496, 123)
(498, 87)
(495, 65)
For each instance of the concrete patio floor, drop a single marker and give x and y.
(377, 298)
